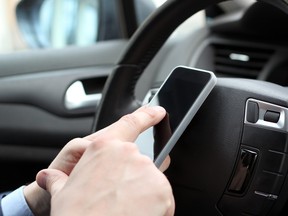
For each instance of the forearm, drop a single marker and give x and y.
(37, 199)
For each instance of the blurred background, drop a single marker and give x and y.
(30, 24)
(34, 24)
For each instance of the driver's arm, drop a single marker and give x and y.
(14, 203)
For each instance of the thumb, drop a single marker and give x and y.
(51, 180)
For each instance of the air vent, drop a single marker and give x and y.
(240, 61)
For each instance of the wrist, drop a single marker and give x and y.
(37, 199)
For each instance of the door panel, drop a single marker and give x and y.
(35, 120)
(35, 61)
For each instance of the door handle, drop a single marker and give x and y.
(76, 97)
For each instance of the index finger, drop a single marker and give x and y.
(131, 125)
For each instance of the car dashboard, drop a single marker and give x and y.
(245, 44)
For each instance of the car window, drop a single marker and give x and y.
(65, 22)
(38, 24)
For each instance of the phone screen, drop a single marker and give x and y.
(181, 94)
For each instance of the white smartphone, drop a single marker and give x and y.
(181, 94)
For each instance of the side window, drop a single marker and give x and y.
(65, 22)
(39, 24)
(60, 23)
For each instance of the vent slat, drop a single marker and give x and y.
(255, 55)
(240, 61)
(234, 71)
(250, 64)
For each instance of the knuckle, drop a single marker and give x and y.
(145, 160)
(131, 147)
(131, 121)
(74, 149)
(104, 141)
(150, 113)
(98, 143)
(73, 142)
(127, 148)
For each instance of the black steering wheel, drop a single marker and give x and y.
(227, 162)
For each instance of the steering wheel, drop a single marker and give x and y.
(231, 160)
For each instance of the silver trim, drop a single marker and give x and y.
(266, 195)
(76, 97)
(281, 125)
(150, 93)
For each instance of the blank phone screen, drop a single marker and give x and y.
(177, 95)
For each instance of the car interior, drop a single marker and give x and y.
(231, 159)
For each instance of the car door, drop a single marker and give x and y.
(49, 94)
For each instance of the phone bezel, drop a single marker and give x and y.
(190, 113)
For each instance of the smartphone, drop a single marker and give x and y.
(181, 94)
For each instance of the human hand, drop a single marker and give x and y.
(112, 177)
(39, 199)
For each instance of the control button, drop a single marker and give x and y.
(275, 162)
(271, 116)
(243, 172)
(268, 182)
(252, 114)
(265, 139)
(250, 204)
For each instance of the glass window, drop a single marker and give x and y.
(66, 22)
(159, 2)
(34, 24)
